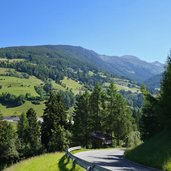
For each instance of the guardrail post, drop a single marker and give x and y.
(74, 163)
(89, 168)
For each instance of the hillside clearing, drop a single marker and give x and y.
(15, 111)
(19, 86)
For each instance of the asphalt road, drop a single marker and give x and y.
(111, 159)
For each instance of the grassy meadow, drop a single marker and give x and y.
(156, 152)
(9, 111)
(72, 85)
(19, 86)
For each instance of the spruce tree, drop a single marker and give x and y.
(118, 120)
(81, 130)
(22, 132)
(165, 108)
(96, 107)
(33, 132)
(54, 124)
(8, 150)
(150, 123)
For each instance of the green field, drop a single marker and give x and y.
(156, 152)
(5, 70)
(124, 86)
(14, 111)
(19, 86)
(12, 60)
(73, 85)
(46, 162)
(57, 86)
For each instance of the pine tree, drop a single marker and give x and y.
(22, 132)
(96, 107)
(150, 123)
(119, 121)
(54, 119)
(81, 129)
(8, 150)
(165, 108)
(33, 132)
(29, 134)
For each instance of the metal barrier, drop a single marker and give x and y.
(85, 164)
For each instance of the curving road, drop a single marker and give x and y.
(112, 159)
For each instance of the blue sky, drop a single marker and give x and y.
(112, 27)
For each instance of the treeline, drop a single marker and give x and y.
(106, 112)
(157, 109)
(47, 62)
(33, 137)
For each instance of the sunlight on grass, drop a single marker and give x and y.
(46, 162)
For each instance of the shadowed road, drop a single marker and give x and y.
(111, 159)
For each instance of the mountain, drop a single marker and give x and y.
(74, 58)
(154, 82)
(132, 67)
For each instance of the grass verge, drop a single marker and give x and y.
(156, 152)
(45, 162)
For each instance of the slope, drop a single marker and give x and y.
(76, 61)
(155, 152)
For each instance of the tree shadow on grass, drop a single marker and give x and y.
(63, 162)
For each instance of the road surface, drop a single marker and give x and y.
(111, 159)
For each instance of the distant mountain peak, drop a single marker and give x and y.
(157, 63)
(131, 57)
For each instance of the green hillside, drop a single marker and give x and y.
(36, 70)
(12, 81)
(155, 152)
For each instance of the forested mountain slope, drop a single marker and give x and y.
(76, 62)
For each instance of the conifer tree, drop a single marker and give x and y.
(96, 107)
(33, 132)
(81, 130)
(54, 124)
(22, 132)
(165, 108)
(8, 150)
(118, 118)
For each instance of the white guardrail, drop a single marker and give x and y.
(85, 164)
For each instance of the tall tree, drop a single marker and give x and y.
(22, 132)
(118, 118)
(8, 150)
(96, 104)
(165, 112)
(54, 124)
(149, 123)
(29, 134)
(81, 129)
(33, 132)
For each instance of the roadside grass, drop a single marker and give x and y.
(46, 162)
(156, 152)
(19, 86)
(10, 111)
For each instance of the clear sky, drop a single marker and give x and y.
(112, 27)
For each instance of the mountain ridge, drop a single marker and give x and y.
(127, 66)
